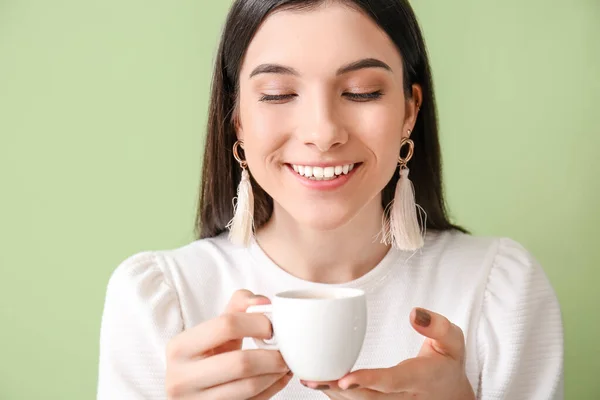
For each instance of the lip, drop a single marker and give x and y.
(324, 185)
(323, 164)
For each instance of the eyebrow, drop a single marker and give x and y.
(362, 64)
(353, 66)
(273, 69)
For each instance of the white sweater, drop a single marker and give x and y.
(492, 288)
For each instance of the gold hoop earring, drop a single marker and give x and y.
(236, 155)
(403, 161)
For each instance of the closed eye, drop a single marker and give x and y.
(359, 97)
(276, 98)
(362, 97)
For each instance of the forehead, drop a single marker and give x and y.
(319, 40)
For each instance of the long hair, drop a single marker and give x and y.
(221, 173)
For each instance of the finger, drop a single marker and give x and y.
(239, 302)
(320, 385)
(215, 332)
(336, 393)
(233, 366)
(448, 339)
(242, 389)
(404, 377)
(242, 299)
(364, 394)
(274, 388)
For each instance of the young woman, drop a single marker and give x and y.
(322, 114)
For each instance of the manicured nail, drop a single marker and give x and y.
(422, 318)
(322, 387)
(353, 386)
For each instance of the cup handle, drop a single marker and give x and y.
(267, 311)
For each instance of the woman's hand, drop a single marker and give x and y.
(206, 362)
(437, 373)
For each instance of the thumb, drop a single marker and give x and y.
(242, 299)
(446, 338)
(238, 303)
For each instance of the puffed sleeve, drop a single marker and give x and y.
(141, 314)
(520, 338)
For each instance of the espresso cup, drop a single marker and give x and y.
(319, 333)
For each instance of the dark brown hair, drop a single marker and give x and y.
(221, 173)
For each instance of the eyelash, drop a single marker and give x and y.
(271, 98)
(362, 97)
(358, 97)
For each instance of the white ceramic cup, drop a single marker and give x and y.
(319, 333)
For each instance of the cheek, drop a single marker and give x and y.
(262, 121)
(379, 128)
(264, 131)
(259, 125)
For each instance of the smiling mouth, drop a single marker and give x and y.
(323, 173)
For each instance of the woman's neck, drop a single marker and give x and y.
(334, 256)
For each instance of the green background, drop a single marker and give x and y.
(102, 113)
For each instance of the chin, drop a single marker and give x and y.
(325, 220)
(330, 213)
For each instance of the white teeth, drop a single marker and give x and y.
(328, 172)
(317, 172)
(322, 173)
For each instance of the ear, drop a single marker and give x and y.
(412, 107)
(237, 124)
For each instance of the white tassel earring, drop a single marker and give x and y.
(241, 225)
(402, 228)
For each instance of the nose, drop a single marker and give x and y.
(322, 127)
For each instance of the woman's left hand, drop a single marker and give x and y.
(438, 372)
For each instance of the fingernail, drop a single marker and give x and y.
(258, 299)
(422, 318)
(322, 387)
(353, 386)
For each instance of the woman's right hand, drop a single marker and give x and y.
(206, 361)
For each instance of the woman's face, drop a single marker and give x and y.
(322, 112)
